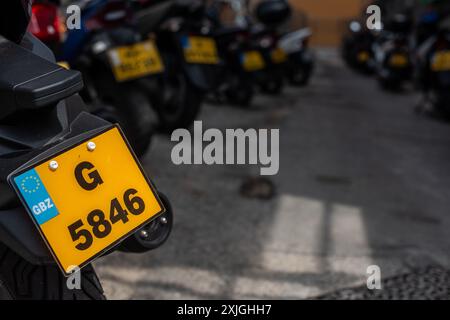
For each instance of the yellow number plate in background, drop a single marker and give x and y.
(200, 50)
(136, 61)
(91, 201)
(252, 61)
(278, 56)
(398, 60)
(363, 56)
(441, 61)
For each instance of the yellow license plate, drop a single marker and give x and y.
(88, 198)
(441, 61)
(278, 56)
(202, 50)
(135, 61)
(252, 61)
(363, 56)
(398, 60)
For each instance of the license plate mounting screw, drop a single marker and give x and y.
(91, 146)
(53, 165)
(143, 234)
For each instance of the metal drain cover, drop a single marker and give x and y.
(429, 283)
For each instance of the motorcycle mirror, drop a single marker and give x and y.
(28, 81)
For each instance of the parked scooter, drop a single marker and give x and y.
(357, 48)
(270, 79)
(118, 66)
(392, 54)
(270, 14)
(183, 35)
(61, 162)
(239, 60)
(434, 70)
(236, 77)
(300, 61)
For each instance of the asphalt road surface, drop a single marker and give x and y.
(363, 181)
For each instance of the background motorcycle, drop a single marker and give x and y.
(270, 14)
(357, 50)
(183, 35)
(434, 69)
(118, 66)
(300, 60)
(41, 113)
(236, 82)
(393, 63)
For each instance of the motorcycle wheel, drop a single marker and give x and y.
(389, 84)
(240, 93)
(135, 117)
(299, 76)
(180, 103)
(273, 85)
(21, 280)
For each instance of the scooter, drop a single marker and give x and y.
(63, 199)
(393, 63)
(189, 52)
(270, 15)
(240, 61)
(433, 69)
(118, 66)
(300, 61)
(357, 48)
(264, 40)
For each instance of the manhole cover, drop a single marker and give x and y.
(430, 283)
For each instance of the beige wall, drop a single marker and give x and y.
(327, 18)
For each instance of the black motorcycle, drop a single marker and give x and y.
(392, 53)
(434, 72)
(269, 79)
(118, 66)
(357, 48)
(189, 52)
(236, 84)
(300, 60)
(58, 163)
(265, 37)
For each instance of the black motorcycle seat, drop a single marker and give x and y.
(28, 81)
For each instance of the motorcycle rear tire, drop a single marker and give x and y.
(21, 280)
(299, 76)
(136, 117)
(273, 86)
(240, 93)
(181, 108)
